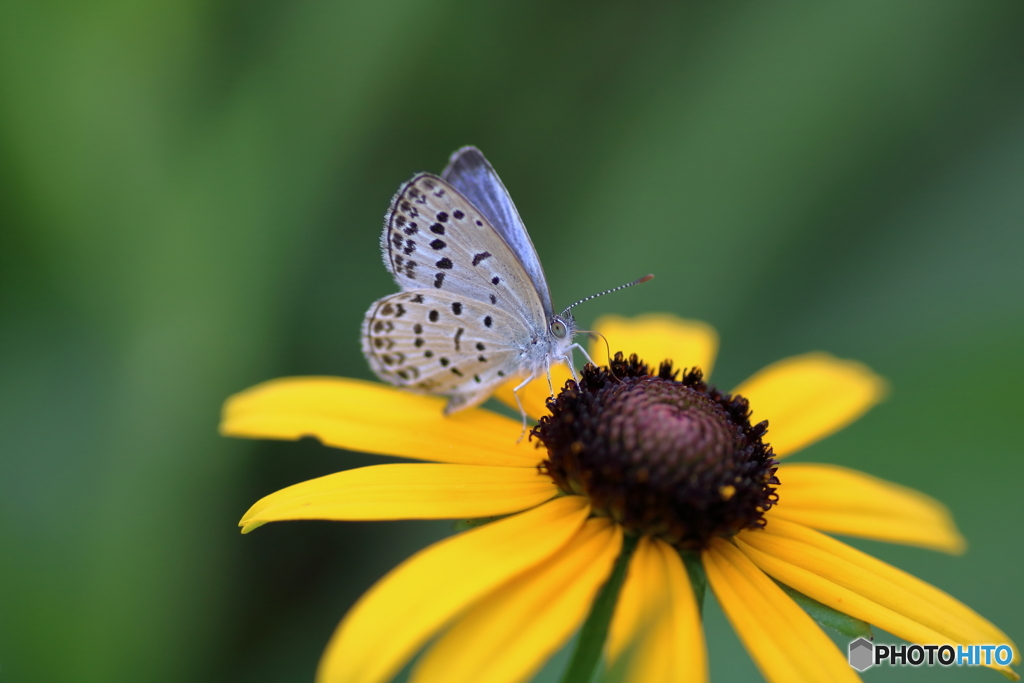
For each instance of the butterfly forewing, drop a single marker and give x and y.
(435, 239)
(470, 173)
(441, 343)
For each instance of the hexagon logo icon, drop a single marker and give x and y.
(861, 654)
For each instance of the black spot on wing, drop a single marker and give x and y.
(437, 245)
(410, 373)
(478, 258)
(438, 280)
(445, 263)
(417, 196)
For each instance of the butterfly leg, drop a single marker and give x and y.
(567, 359)
(585, 355)
(522, 411)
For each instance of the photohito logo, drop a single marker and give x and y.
(864, 654)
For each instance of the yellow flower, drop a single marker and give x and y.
(500, 598)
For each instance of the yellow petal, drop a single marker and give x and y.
(785, 643)
(657, 622)
(656, 337)
(864, 587)
(534, 395)
(416, 599)
(638, 602)
(806, 398)
(372, 418)
(844, 501)
(507, 636)
(406, 491)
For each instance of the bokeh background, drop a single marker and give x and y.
(191, 195)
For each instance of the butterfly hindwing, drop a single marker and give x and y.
(442, 343)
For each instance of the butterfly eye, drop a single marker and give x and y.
(558, 329)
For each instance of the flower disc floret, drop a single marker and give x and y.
(660, 454)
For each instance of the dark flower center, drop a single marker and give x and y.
(661, 455)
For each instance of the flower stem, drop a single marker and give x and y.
(587, 655)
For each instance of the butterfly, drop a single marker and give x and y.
(474, 310)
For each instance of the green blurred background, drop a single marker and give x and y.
(191, 195)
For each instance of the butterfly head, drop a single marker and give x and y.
(563, 326)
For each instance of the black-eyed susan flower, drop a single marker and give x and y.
(649, 466)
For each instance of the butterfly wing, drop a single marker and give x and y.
(474, 310)
(436, 239)
(471, 174)
(440, 342)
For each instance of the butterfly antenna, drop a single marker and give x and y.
(645, 278)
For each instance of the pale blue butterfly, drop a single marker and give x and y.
(474, 310)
